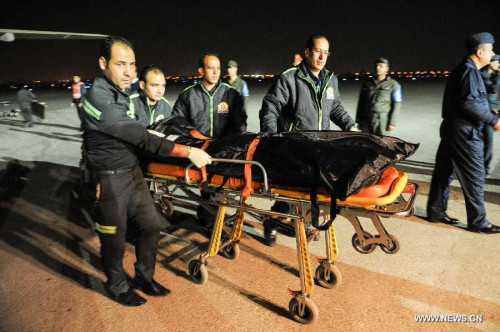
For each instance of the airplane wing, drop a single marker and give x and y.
(9, 35)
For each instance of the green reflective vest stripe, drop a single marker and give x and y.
(105, 229)
(91, 110)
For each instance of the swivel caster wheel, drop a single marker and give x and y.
(393, 247)
(305, 312)
(364, 249)
(198, 272)
(328, 275)
(231, 251)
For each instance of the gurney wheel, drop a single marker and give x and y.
(310, 313)
(366, 249)
(328, 276)
(231, 251)
(394, 246)
(412, 211)
(198, 271)
(167, 206)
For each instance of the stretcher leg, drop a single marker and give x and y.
(327, 274)
(363, 241)
(197, 267)
(231, 248)
(301, 307)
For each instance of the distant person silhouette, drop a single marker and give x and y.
(25, 97)
(78, 93)
(297, 59)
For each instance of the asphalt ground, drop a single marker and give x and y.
(51, 277)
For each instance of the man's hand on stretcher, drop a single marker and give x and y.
(197, 156)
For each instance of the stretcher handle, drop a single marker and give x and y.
(233, 161)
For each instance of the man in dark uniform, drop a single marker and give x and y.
(149, 105)
(238, 83)
(305, 97)
(379, 102)
(112, 143)
(491, 78)
(215, 109)
(461, 151)
(25, 97)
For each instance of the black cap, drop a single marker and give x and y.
(382, 60)
(477, 39)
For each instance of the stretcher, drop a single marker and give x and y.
(178, 186)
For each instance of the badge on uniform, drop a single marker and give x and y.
(223, 107)
(330, 93)
(159, 118)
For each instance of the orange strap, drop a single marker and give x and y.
(248, 190)
(196, 134)
(204, 168)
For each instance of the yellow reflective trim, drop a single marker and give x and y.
(105, 229)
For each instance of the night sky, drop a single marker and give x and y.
(261, 35)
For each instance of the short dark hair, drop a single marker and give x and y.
(474, 49)
(146, 69)
(107, 45)
(311, 40)
(201, 60)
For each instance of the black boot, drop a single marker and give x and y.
(270, 232)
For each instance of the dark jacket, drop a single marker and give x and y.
(216, 113)
(492, 84)
(25, 97)
(379, 98)
(465, 98)
(294, 102)
(142, 111)
(112, 139)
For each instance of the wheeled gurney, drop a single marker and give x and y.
(178, 186)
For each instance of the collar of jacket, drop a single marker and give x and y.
(204, 89)
(470, 63)
(112, 85)
(303, 73)
(387, 79)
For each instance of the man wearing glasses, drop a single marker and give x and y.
(305, 97)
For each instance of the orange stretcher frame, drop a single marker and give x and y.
(393, 195)
(390, 185)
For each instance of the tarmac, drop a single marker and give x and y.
(51, 277)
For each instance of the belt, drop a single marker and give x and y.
(112, 172)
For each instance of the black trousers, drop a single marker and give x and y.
(460, 154)
(123, 201)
